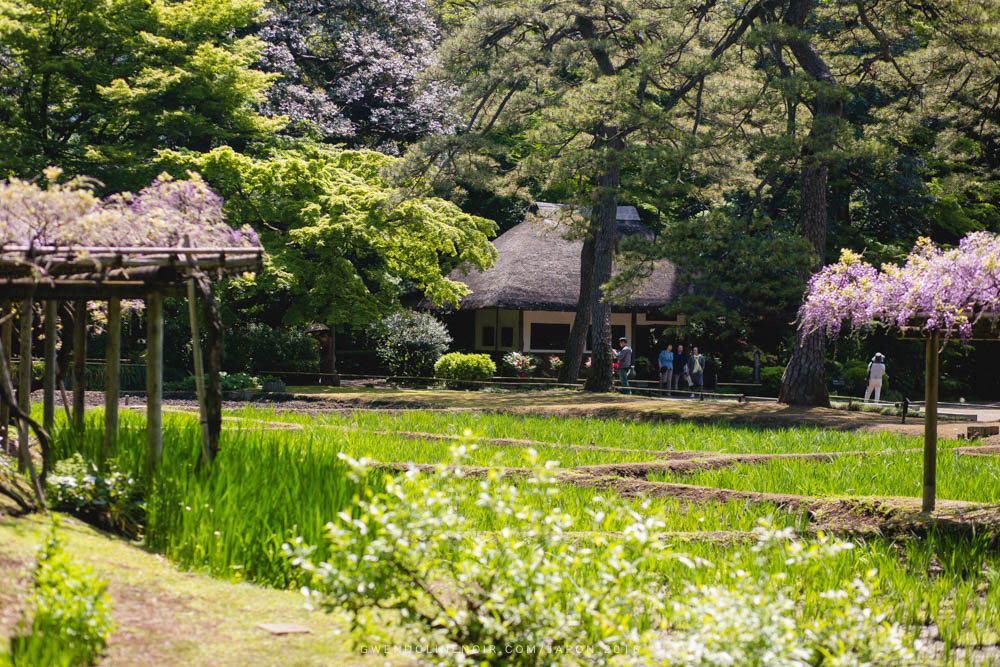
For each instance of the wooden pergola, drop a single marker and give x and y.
(81, 274)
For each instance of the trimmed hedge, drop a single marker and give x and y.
(462, 370)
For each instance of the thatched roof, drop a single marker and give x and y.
(538, 269)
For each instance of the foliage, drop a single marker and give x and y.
(410, 343)
(70, 611)
(770, 379)
(745, 274)
(513, 587)
(200, 519)
(228, 381)
(944, 291)
(554, 366)
(98, 86)
(753, 617)
(255, 347)
(162, 214)
(348, 71)
(470, 368)
(113, 500)
(743, 374)
(341, 247)
(531, 585)
(519, 363)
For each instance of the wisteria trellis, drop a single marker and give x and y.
(69, 215)
(940, 291)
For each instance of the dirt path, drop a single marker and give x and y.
(168, 617)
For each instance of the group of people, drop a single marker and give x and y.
(679, 365)
(673, 366)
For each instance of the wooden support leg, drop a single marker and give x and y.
(111, 376)
(6, 339)
(930, 423)
(199, 373)
(79, 362)
(24, 384)
(49, 382)
(154, 382)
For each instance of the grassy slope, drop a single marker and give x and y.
(166, 616)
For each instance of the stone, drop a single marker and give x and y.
(284, 628)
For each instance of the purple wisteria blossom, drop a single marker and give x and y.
(946, 291)
(68, 214)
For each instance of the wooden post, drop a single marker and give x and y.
(199, 373)
(24, 384)
(79, 362)
(154, 381)
(111, 376)
(930, 422)
(6, 339)
(49, 381)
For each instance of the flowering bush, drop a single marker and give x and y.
(70, 611)
(406, 567)
(113, 501)
(555, 365)
(410, 343)
(946, 290)
(519, 364)
(753, 618)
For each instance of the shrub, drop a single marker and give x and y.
(229, 382)
(743, 374)
(70, 611)
(770, 380)
(642, 366)
(464, 370)
(410, 343)
(555, 365)
(855, 378)
(113, 502)
(519, 364)
(255, 348)
(531, 592)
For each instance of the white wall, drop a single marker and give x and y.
(564, 317)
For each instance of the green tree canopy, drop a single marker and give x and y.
(342, 247)
(96, 86)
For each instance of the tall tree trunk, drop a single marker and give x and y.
(577, 342)
(804, 380)
(605, 220)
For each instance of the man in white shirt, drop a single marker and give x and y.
(876, 371)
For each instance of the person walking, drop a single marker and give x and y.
(680, 366)
(696, 364)
(876, 371)
(666, 360)
(624, 359)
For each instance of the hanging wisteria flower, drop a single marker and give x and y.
(946, 291)
(70, 215)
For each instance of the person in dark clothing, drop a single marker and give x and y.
(680, 366)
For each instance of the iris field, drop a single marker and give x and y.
(281, 476)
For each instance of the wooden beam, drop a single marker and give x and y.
(154, 382)
(111, 376)
(79, 362)
(930, 422)
(6, 339)
(49, 380)
(24, 384)
(91, 290)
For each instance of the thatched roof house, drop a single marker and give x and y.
(528, 299)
